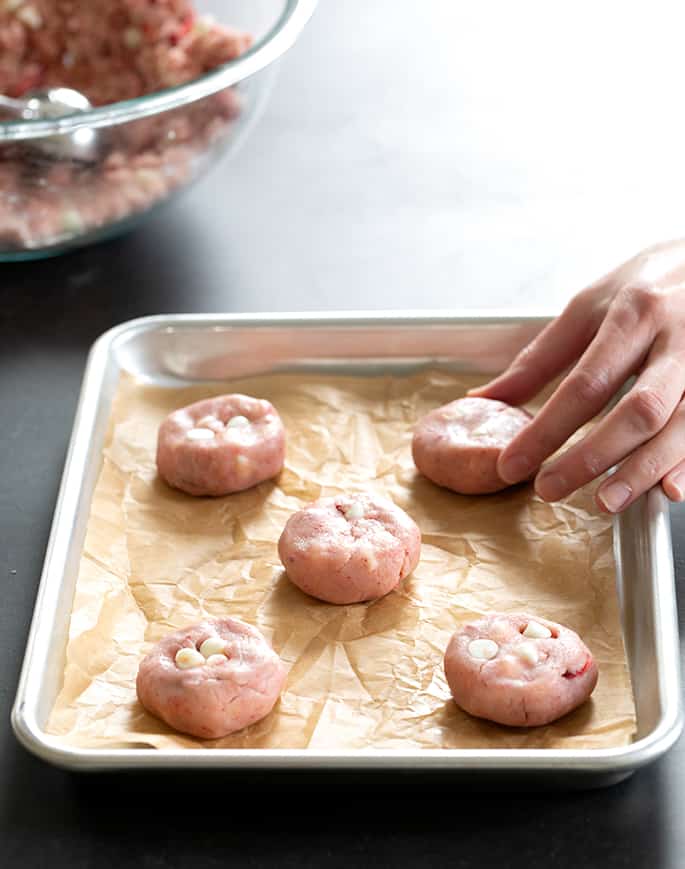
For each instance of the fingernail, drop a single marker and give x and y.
(676, 484)
(551, 487)
(515, 468)
(614, 495)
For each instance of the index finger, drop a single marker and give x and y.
(611, 358)
(559, 344)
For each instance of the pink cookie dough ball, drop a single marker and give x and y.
(349, 548)
(211, 679)
(519, 670)
(221, 445)
(457, 445)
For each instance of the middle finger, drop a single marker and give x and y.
(640, 415)
(604, 367)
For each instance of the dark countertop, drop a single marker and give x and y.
(369, 183)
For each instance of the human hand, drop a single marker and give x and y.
(630, 322)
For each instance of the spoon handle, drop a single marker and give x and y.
(14, 107)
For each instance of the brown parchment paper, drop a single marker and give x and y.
(362, 676)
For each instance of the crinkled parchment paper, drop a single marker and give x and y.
(368, 675)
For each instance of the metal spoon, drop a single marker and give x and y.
(83, 145)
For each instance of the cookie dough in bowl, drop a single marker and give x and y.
(349, 548)
(172, 84)
(211, 679)
(519, 670)
(221, 445)
(109, 50)
(457, 445)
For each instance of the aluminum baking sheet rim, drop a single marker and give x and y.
(612, 762)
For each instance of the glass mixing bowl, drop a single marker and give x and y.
(151, 147)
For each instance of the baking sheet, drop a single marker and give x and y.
(363, 676)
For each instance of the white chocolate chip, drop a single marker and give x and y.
(208, 421)
(30, 16)
(148, 179)
(203, 24)
(356, 511)
(483, 649)
(527, 652)
(369, 555)
(200, 434)
(132, 37)
(216, 659)
(187, 658)
(71, 220)
(237, 422)
(12, 5)
(212, 646)
(536, 631)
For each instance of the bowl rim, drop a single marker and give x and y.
(274, 43)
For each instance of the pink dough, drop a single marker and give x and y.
(109, 50)
(457, 445)
(228, 458)
(345, 560)
(527, 682)
(220, 696)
